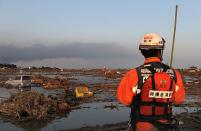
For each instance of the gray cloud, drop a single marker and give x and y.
(81, 54)
(12, 53)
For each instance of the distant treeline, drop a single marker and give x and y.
(8, 65)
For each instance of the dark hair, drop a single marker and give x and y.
(151, 53)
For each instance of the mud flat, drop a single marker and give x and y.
(123, 126)
(188, 122)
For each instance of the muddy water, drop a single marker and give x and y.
(91, 114)
(4, 93)
(93, 79)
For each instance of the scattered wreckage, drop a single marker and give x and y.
(21, 82)
(31, 105)
(83, 91)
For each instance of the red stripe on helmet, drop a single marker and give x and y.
(148, 37)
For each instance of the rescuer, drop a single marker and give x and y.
(151, 88)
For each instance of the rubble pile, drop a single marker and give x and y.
(37, 79)
(29, 105)
(55, 83)
(112, 74)
(50, 83)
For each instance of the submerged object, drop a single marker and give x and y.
(83, 91)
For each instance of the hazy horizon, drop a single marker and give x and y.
(95, 33)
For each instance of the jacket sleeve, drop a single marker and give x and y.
(179, 94)
(124, 90)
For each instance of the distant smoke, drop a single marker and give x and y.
(11, 53)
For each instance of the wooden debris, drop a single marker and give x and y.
(30, 105)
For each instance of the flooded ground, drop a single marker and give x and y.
(90, 114)
(102, 111)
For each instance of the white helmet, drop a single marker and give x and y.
(152, 41)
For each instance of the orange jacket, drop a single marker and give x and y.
(130, 80)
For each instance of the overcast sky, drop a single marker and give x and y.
(95, 33)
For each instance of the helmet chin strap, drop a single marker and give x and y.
(161, 55)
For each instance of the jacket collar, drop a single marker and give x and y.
(152, 59)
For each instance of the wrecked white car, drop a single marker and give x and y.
(19, 82)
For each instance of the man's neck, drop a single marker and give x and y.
(152, 59)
